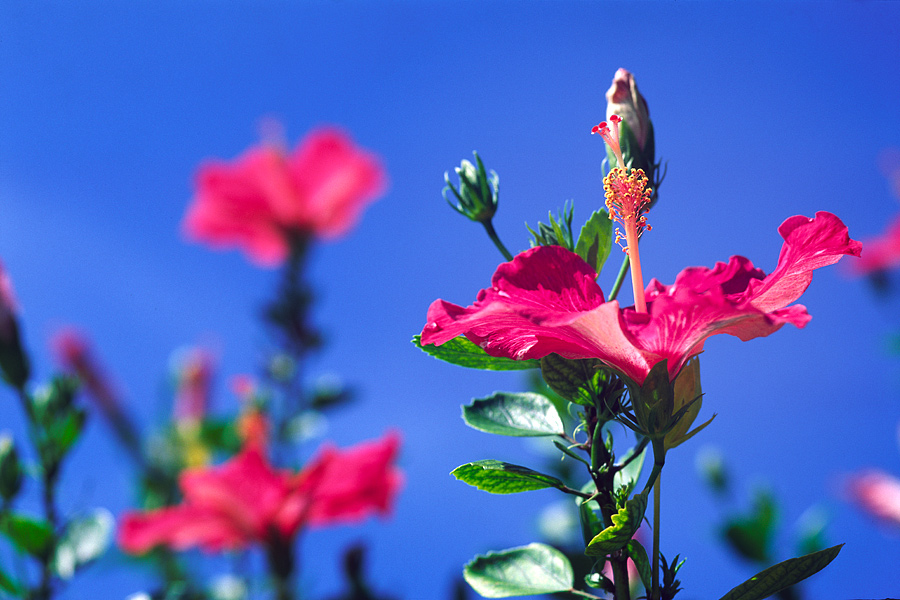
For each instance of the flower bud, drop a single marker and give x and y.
(624, 99)
(13, 360)
(478, 192)
(10, 469)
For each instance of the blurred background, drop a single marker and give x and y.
(761, 111)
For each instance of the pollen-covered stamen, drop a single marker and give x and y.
(611, 136)
(627, 200)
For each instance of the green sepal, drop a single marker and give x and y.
(638, 555)
(595, 240)
(33, 536)
(625, 523)
(652, 403)
(783, 575)
(523, 571)
(558, 232)
(85, 539)
(464, 353)
(525, 414)
(498, 477)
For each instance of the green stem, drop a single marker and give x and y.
(620, 278)
(44, 591)
(489, 227)
(655, 573)
(600, 457)
(659, 460)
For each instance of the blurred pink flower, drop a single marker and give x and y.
(547, 300)
(883, 251)
(246, 501)
(878, 494)
(265, 197)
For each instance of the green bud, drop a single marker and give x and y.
(478, 192)
(13, 361)
(10, 469)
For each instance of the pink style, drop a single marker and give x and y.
(547, 300)
(265, 197)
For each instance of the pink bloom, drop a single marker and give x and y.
(547, 300)
(878, 494)
(882, 252)
(263, 198)
(245, 500)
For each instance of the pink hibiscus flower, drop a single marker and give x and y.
(547, 300)
(264, 198)
(246, 501)
(878, 494)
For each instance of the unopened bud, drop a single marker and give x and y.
(624, 99)
(10, 469)
(14, 363)
(478, 192)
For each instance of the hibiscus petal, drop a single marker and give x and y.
(180, 528)
(808, 244)
(546, 300)
(350, 484)
(336, 179)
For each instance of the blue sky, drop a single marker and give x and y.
(762, 111)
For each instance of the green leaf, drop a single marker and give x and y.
(751, 536)
(498, 477)
(783, 575)
(524, 571)
(625, 524)
(10, 585)
(515, 414)
(595, 240)
(629, 476)
(460, 351)
(591, 524)
(638, 555)
(30, 535)
(83, 541)
(574, 380)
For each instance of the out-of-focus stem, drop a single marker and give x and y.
(620, 278)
